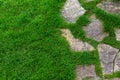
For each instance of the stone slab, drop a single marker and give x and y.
(107, 57)
(72, 10)
(86, 72)
(117, 34)
(76, 44)
(95, 30)
(110, 7)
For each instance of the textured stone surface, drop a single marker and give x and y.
(117, 33)
(95, 30)
(117, 62)
(109, 6)
(107, 57)
(76, 44)
(83, 72)
(72, 10)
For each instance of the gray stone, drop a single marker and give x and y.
(117, 33)
(110, 7)
(72, 10)
(117, 63)
(95, 30)
(75, 44)
(86, 72)
(107, 57)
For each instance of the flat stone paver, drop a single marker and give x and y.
(95, 30)
(72, 10)
(107, 57)
(110, 7)
(76, 44)
(83, 72)
(117, 63)
(117, 34)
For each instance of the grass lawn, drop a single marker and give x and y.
(31, 45)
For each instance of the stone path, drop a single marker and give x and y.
(109, 56)
(117, 62)
(86, 72)
(72, 10)
(110, 7)
(95, 30)
(76, 44)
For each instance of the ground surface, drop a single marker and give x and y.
(33, 47)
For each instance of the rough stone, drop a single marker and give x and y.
(110, 7)
(117, 33)
(107, 57)
(95, 30)
(75, 44)
(117, 63)
(86, 72)
(72, 10)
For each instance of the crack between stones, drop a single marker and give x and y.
(114, 60)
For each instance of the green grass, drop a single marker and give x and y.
(31, 45)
